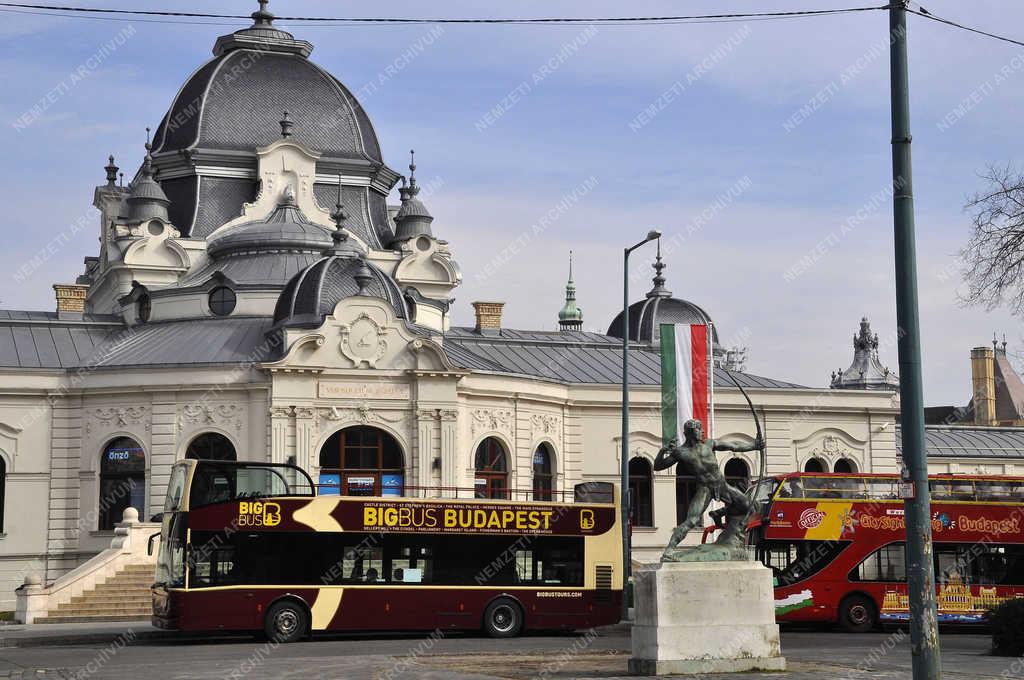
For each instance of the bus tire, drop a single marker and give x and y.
(286, 621)
(857, 614)
(503, 618)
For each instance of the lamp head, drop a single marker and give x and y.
(653, 234)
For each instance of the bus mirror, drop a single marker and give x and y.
(149, 544)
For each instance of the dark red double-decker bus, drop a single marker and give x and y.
(836, 544)
(249, 547)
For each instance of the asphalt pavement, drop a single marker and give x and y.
(134, 651)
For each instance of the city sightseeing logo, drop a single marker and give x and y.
(258, 514)
(810, 518)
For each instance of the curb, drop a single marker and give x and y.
(71, 639)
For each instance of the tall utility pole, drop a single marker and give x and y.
(924, 630)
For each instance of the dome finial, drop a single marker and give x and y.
(286, 126)
(342, 244)
(413, 189)
(659, 289)
(147, 163)
(111, 172)
(262, 16)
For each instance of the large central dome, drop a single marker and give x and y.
(204, 150)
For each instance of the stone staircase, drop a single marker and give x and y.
(124, 596)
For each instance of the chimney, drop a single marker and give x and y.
(70, 300)
(488, 317)
(983, 378)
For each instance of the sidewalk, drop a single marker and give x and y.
(39, 635)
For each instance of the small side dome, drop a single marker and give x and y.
(314, 292)
(286, 228)
(413, 219)
(658, 307)
(146, 200)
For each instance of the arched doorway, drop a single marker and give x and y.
(737, 473)
(122, 481)
(641, 493)
(815, 465)
(211, 446)
(543, 477)
(844, 465)
(362, 461)
(491, 466)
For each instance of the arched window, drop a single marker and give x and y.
(491, 466)
(815, 465)
(122, 481)
(686, 488)
(211, 446)
(737, 473)
(3, 485)
(844, 465)
(641, 501)
(362, 461)
(542, 476)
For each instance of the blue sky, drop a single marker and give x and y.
(796, 245)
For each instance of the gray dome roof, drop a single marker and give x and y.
(235, 101)
(646, 316)
(286, 228)
(267, 252)
(315, 291)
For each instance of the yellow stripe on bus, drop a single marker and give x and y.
(831, 525)
(316, 514)
(326, 606)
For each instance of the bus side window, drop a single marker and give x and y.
(888, 563)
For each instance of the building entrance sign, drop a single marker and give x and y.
(362, 390)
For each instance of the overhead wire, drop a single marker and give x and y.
(928, 15)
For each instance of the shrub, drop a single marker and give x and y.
(1007, 621)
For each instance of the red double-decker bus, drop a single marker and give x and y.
(836, 545)
(250, 547)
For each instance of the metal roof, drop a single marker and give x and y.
(953, 441)
(571, 357)
(60, 345)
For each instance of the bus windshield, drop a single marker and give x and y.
(220, 482)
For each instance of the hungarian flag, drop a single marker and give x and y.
(687, 378)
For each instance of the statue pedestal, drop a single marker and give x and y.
(704, 617)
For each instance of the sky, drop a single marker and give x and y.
(760, 149)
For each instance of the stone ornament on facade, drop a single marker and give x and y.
(118, 416)
(545, 424)
(224, 415)
(363, 341)
(492, 420)
(831, 448)
(363, 413)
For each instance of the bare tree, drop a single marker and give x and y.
(994, 257)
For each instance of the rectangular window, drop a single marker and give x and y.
(888, 563)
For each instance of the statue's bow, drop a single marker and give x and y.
(757, 423)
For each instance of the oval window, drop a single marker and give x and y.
(222, 301)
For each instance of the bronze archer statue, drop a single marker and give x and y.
(697, 455)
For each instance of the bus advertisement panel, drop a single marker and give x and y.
(835, 543)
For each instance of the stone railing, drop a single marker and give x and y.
(129, 546)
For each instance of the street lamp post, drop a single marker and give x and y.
(624, 482)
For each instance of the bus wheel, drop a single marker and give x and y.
(286, 621)
(503, 618)
(857, 614)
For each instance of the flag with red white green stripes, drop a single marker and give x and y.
(687, 378)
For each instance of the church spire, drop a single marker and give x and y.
(571, 316)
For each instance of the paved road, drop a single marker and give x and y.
(815, 655)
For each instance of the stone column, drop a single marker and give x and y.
(306, 430)
(424, 451)
(451, 460)
(280, 420)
